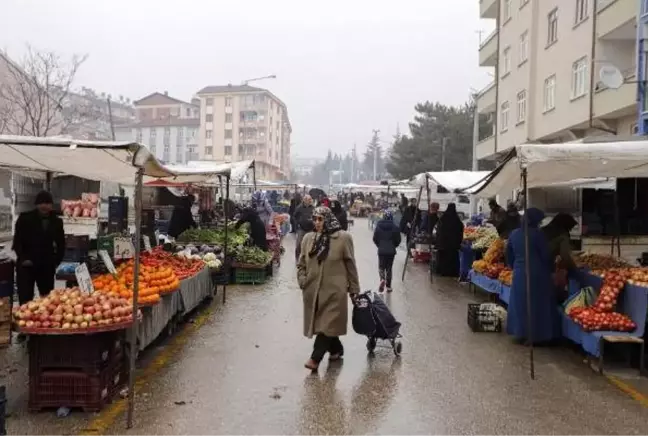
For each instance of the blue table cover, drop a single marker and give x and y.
(466, 258)
(633, 301)
(505, 294)
(486, 283)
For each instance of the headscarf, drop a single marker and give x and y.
(336, 207)
(534, 216)
(323, 240)
(388, 215)
(562, 223)
(258, 198)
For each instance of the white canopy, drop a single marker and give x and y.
(451, 180)
(113, 161)
(549, 164)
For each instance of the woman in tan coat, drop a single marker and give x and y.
(326, 273)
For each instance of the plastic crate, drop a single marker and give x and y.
(75, 389)
(88, 353)
(245, 276)
(483, 320)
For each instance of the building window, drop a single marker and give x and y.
(167, 132)
(188, 113)
(506, 61)
(581, 11)
(209, 150)
(228, 118)
(524, 47)
(138, 135)
(521, 106)
(506, 14)
(209, 101)
(504, 115)
(228, 150)
(208, 134)
(552, 27)
(167, 148)
(579, 78)
(209, 118)
(549, 95)
(228, 134)
(228, 101)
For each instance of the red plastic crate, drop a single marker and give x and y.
(75, 389)
(89, 353)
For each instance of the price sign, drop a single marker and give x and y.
(107, 261)
(147, 243)
(124, 248)
(83, 278)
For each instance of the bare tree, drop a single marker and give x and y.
(35, 94)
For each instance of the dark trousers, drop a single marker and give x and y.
(293, 224)
(324, 344)
(385, 264)
(27, 276)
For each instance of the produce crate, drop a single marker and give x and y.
(75, 389)
(246, 275)
(91, 354)
(483, 320)
(106, 243)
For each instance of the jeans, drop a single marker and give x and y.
(324, 344)
(385, 264)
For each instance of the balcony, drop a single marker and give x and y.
(486, 99)
(486, 147)
(616, 103)
(616, 19)
(488, 51)
(488, 8)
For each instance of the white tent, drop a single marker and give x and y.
(549, 164)
(450, 180)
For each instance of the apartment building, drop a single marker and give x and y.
(245, 122)
(167, 126)
(547, 58)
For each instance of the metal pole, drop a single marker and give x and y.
(443, 153)
(527, 274)
(353, 157)
(226, 259)
(112, 124)
(253, 177)
(375, 155)
(475, 162)
(411, 231)
(136, 270)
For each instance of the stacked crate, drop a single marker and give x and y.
(117, 214)
(76, 371)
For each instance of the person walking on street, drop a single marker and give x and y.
(295, 201)
(386, 237)
(39, 243)
(328, 276)
(304, 221)
(340, 214)
(448, 241)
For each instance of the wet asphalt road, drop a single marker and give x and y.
(242, 373)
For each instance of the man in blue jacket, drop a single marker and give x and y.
(386, 237)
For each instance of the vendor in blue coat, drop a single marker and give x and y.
(543, 304)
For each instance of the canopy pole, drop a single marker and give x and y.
(136, 271)
(616, 238)
(48, 181)
(427, 191)
(411, 231)
(253, 177)
(527, 274)
(225, 256)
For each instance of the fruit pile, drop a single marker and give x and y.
(472, 233)
(153, 282)
(487, 235)
(480, 266)
(595, 261)
(72, 309)
(495, 252)
(181, 267)
(506, 276)
(600, 315)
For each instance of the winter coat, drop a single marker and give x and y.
(304, 217)
(325, 286)
(257, 228)
(386, 237)
(342, 219)
(44, 247)
(181, 220)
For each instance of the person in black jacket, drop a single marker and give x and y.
(257, 228)
(295, 201)
(386, 237)
(448, 241)
(39, 243)
(304, 220)
(181, 218)
(411, 218)
(340, 214)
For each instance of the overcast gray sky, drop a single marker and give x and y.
(344, 67)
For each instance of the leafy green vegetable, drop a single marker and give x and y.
(216, 236)
(251, 255)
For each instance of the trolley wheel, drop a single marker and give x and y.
(371, 344)
(398, 348)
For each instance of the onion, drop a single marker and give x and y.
(78, 319)
(56, 325)
(97, 316)
(84, 324)
(22, 323)
(68, 317)
(74, 325)
(66, 325)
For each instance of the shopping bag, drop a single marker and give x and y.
(362, 317)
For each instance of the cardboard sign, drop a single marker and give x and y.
(83, 278)
(147, 243)
(107, 261)
(124, 248)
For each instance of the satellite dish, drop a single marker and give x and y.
(611, 76)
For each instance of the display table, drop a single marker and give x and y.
(633, 302)
(492, 286)
(195, 290)
(156, 318)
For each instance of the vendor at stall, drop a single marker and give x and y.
(510, 222)
(497, 213)
(257, 227)
(261, 204)
(558, 240)
(39, 243)
(431, 219)
(182, 218)
(544, 322)
(411, 218)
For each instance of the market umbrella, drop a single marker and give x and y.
(317, 193)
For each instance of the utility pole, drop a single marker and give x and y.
(375, 154)
(475, 140)
(443, 153)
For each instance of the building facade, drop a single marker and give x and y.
(245, 122)
(549, 60)
(167, 126)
